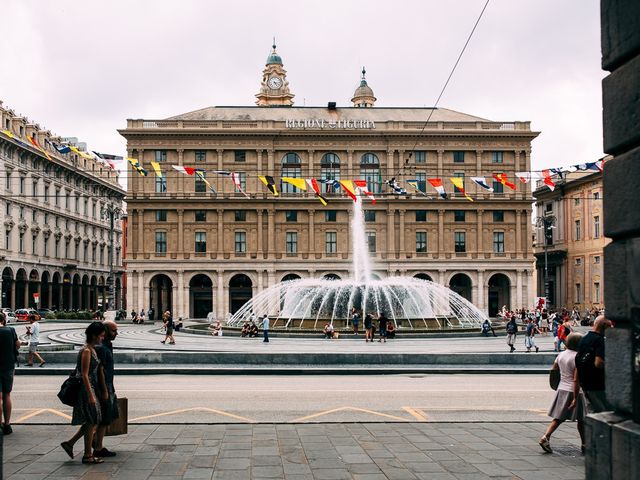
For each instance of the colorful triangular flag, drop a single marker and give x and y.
(135, 163)
(437, 184)
(483, 183)
(459, 184)
(503, 179)
(270, 183)
(299, 183)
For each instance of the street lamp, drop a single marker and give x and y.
(546, 222)
(111, 212)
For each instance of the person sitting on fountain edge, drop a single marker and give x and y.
(391, 329)
(328, 330)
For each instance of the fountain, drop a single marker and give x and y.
(407, 301)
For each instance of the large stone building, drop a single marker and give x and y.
(194, 251)
(574, 241)
(56, 241)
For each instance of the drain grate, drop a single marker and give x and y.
(164, 448)
(567, 450)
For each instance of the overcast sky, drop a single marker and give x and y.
(81, 68)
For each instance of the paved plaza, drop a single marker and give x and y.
(445, 451)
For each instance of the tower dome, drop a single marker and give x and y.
(363, 96)
(274, 58)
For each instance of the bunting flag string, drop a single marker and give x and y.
(316, 189)
(35, 144)
(186, 170)
(270, 183)
(158, 170)
(437, 184)
(201, 175)
(459, 184)
(504, 180)
(415, 185)
(546, 175)
(362, 188)
(350, 188)
(396, 187)
(81, 153)
(299, 183)
(107, 159)
(135, 163)
(236, 181)
(482, 182)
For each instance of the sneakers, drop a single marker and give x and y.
(544, 443)
(103, 453)
(537, 349)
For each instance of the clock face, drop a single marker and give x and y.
(274, 83)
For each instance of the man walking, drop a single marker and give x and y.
(33, 331)
(530, 332)
(9, 345)
(512, 332)
(265, 328)
(590, 366)
(108, 399)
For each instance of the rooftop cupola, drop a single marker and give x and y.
(274, 88)
(363, 96)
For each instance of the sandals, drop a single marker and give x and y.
(66, 446)
(544, 443)
(92, 460)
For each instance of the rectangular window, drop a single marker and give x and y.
(596, 292)
(161, 184)
(34, 215)
(421, 178)
(548, 208)
(22, 185)
(459, 215)
(240, 242)
(86, 207)
(331, 243)
(239, 156)
(77, 203)
(200, 185)
(21, 212)
(292, 243)
(498, 187)
(421, 157)
(161, 155)
(35, 188)
(93, 209)
(578, 230)
(596, 195)
(458, 157)
(7, 239)
(66, 249)
(93, 253)
(46, 194)
(369, 215)
(421, 242)
(240, 215)
(596, 259)
(596, 226)
(291, 215)
(200, 215)
(578, 261)
(421, 215)
(330, 215)
(46, 218)
(8, 181)
(21, 243)
(578, 293)
(201, 242)
(498, 215)
(371, 242)
(102, 255)
(497, 157)
(85, 253)
(460, 240)
(56, 247)
(34, 244)
(161, 215)
(498, 242)
(201, 156)
(161, 242)
(7, 209)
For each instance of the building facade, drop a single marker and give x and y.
(56, 245)
(575, 244)
(194, 252)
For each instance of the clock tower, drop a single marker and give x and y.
(274, 89)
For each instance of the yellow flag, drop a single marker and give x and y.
(156, 168)
(350, 188)
(300, 183)
(459, 184)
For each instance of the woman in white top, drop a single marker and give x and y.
(568, 403)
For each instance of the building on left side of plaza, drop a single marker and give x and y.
(57, 245)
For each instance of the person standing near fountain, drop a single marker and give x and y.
(355, 320)
(368, 328)
(382, 327)
(265, 328)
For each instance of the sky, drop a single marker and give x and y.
(82, 68)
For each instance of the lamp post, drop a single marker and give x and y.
(546, 222)
(111, 212)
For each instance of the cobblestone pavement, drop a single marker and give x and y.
(147, 337)
(452, 451)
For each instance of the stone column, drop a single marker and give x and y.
(402, 246)
(441, 239)
(513, 296)
(179, 309)
(259, 230)
(180, 233)
(519, 303)
(400, 160)
(271, 233)
(270, 162)
(480, 233)
(390, 171)
(517, 160)
(259, 162)
(518, 233)
(220, 300)
(440, 163)
(220, 152)
(140, 249)
(441, 273)
(480, 173)
(312, 234)
(391, 234)
(260, 281)
(310, 166)
(141, 291)
(180, 177)
(350, 173)
(220, 234)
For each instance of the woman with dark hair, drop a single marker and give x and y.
(87, 411)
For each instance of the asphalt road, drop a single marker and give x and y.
(225, 399)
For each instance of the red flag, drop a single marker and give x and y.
(546, 175)
(502, 178)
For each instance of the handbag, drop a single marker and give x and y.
(70, 390)
(554, 378)
(121, 424)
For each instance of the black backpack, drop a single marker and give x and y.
(512, 327)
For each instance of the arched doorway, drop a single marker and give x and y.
(423, 276)
(76, 292)
(67, 292)
(34, 287)
(161, 293)
(21, 289)
(45, 290)
(240, 292)
(56, 292)
(7, 288)
(290, 276)
(332, 276)
(84, 302)
(498, 293)
(93, 293)
(461, 284)
(118, 300)
(200, 296)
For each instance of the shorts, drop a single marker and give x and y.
(6, 381)
(109, 409)
(33, 347)
(169, 331)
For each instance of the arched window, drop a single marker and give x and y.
(370, 171)
(290, 168)
(329, 170)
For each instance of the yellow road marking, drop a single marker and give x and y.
(539, 411)
(41, 411)
(195, 409)
(417, 414)
(341, 409)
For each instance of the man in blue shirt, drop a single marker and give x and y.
(265, 328)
